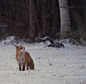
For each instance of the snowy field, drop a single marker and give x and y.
(52, 65)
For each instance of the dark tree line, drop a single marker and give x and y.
(38, 18)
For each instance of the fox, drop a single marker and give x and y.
(24, 58)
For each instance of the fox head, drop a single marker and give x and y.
(20, 49)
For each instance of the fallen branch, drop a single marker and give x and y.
(45, 39)
(51, 41)
(59, 45)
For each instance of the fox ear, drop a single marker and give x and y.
(17, 47)
(20, 45)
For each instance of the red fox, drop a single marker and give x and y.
(23, 58)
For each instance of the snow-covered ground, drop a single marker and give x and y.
(52, 65)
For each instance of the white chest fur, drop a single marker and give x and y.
(21, 56)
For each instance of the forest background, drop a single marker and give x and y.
(57, 19)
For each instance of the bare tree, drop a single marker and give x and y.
(43, 15)
(64, 17)
(56, 19)
(32, 28)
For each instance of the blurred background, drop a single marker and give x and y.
(29, 19)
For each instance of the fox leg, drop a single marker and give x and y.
(24, 66)
(20, 67)
(27, 66)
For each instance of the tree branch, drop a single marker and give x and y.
(51, 41)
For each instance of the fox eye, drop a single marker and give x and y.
(17, 46)
(20, 48)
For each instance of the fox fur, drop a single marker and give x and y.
(23, 58)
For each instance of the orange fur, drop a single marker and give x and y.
(28, 60)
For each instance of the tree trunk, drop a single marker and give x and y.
(32, 29)
(64, 17)
(0, 13)
(43, 16)
(37, 19)
(56, 20)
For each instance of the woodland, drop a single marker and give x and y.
(33, 20)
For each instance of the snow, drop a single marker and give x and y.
(52, 65)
